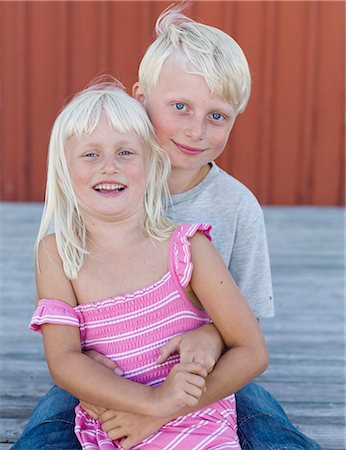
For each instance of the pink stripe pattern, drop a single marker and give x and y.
(130, 329)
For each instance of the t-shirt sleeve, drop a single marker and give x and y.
(250, 265)
(180, 255)
(54, 312)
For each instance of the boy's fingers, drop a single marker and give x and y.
(201, 358)
(107, 415)
(127, 443)
(170, 347)
(187, 356)
(94, 411)
(101, 359)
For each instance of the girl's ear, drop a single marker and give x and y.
(137, 93)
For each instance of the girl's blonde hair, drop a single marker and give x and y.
(62, 207)
(205, 50)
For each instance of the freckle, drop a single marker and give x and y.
(221, 282)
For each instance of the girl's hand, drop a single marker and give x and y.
(183, 387)
(203, 345)
(133, 428)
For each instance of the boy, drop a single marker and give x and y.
(193, 81)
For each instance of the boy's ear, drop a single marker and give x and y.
(137, 92)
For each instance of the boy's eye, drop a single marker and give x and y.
(179, 106)
(217, 116)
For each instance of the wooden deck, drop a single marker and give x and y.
(305, 339)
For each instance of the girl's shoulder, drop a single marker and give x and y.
(186, 232)
(48, 247)
(185, 239)
(51, 280)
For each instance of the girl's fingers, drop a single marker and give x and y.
(194, 368)
(194, 391)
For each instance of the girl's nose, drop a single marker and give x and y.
(110, 165)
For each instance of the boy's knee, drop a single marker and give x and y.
(253, 399)
(55, 433)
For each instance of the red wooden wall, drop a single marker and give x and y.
(288, 146)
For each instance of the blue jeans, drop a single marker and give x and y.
(262, 423)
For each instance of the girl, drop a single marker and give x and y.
(119, 278)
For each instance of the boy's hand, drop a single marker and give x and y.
(183, 387)
(133, 428)
(203, 345)
(96, 356)
(94, 411)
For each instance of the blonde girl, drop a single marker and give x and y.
(119, 278)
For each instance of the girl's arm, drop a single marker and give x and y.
(90, 381)
(247, 354)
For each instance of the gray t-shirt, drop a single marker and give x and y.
(238, 232)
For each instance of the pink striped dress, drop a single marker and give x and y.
(130, 329)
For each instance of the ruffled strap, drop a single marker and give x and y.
(180, 256)
(55, 312)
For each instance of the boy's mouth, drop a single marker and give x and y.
(109, 188)
(188, 150)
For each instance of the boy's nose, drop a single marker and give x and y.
(195, 129)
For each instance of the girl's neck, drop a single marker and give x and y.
(182, 180)
(124, 232)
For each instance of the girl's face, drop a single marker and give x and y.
(108, 172)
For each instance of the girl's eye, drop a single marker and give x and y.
(126, 152)
(91, 154)
(179, 106)
(217, 116)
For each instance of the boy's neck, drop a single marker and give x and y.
(182, 180)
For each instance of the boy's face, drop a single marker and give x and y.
(191, 124)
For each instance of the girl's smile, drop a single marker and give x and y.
(106, 188)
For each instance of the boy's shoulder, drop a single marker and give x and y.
(218, 197)
(232, 192)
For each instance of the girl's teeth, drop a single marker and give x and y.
(109, 187)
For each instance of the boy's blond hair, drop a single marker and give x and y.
(205, 50)
(62, 208)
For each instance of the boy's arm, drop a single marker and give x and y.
(249, 263)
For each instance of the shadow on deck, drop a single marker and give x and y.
(305, 338)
